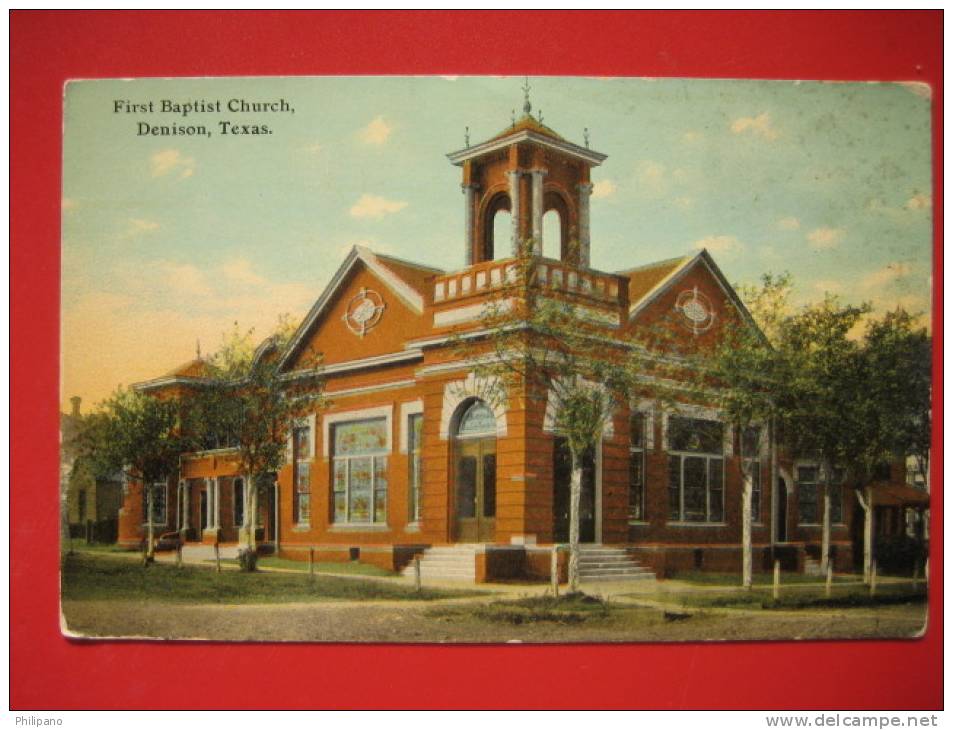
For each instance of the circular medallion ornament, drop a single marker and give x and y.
(696, 309)
(364, 312)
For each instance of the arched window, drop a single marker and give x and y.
(552, 235)
(502, 235)
(477, 420)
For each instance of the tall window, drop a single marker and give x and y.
(751, 453)
(638, 424)
(415, 429)
(302, 474)
(158, 504)
(359, 468)
(238, 501)
(810, 495)
(696, 482)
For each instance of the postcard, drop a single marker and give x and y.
(495, 359)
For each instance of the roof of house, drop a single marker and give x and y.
(416, 275)
(531, 124)
(644, 279)
(196, 368)
(899, 495)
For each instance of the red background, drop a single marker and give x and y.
(50, 672)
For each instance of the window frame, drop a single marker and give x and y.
(348, 460)
(165, 506)
(301, 496)
(707, 457)
(819, 494)
(638, 452)
(414, 467)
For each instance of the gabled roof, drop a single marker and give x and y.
(405, 279)
(194, 372)
(653, 280)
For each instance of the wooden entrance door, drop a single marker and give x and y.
(475, 490)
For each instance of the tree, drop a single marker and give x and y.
(140, 436)
(248, 405)
(541, 346)
(821, 387)
(893, 390)
(739, 375)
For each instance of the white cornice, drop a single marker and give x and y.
(526, 135)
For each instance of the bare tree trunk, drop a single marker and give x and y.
(150, 530)
(868, 506)
(746, 528)
(575, 492)
(826, 530)
(246, 512)
(253, 517)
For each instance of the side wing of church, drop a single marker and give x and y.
(411, 457)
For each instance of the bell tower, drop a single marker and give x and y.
(527, 170)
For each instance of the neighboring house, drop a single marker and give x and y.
(90, 505)
(412, 454)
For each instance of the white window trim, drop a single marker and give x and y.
(361, 414)
(165, 521)
(412, 408)
(648, 427)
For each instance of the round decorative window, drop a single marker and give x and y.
(696, 309)
(364, 311)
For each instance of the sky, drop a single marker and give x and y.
(169, 240)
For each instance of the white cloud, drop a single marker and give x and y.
(168, 162)
(240, 271)
(69, 204)
(759, 125)
(919, 201)
(825, 237)
(376, 132)
(692, 136)
(604, 189)
(684, 202)
(789, 224)
(183, 278)
(651, 177)
(313, 148)
(374, 206)
(725, 245)
(139, 226)
(887, 275)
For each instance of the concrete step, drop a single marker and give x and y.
(610, 578)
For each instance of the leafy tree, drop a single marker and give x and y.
(739, 375)
(140, 436)
(893, 389)
(248, 405)
(541, 346)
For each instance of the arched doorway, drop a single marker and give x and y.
(474, 473)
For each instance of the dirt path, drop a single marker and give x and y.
(414, 622)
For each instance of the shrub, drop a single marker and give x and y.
(248, 560)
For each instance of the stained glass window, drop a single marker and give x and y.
(415, 427)
(359, 472)
(477, 420)
(302, 475)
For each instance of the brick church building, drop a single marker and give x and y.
(410, 456)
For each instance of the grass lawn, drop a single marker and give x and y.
(352, 567)
(801, 597)
(99, 576)
(766, 579)
(573, 608)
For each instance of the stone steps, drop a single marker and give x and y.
(450, 562)
(598, 563)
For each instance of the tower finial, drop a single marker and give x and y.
(466, 136)
(585, 136)
(527, 107)
(539, 116)
(513, 118)
(198, 349)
